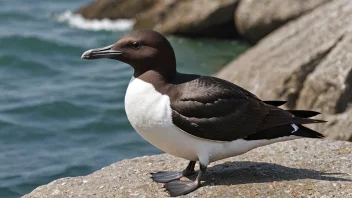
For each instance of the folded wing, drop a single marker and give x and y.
(216, 109)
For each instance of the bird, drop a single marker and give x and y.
(198, 118)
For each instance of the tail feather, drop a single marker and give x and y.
(307, 132)
(285, 123)
(286, 130)
(275, 103)
(302, 120)
(304, 113)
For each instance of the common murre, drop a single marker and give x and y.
(194, 117)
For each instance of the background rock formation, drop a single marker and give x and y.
(191, 17)
(256, 19)
(300, 168)
(211, 18)
(115, 9)
(306, 62)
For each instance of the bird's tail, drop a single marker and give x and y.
(303, 131)
(304, 113)
(303, 117)
(293, 127)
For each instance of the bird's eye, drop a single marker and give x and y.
(136, 45)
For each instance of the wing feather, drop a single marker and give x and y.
(216, 109)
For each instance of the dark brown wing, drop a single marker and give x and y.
(216, 109)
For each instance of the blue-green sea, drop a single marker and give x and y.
(62, 116)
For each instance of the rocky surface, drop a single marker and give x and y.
(339, 126)
(300, 168)
(256, 19)
(191, 17)
(211, 18)
(307, 62)
(115, 9)
(328, 87)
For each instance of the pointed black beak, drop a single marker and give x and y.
(104, 52)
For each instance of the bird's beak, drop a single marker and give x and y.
(104, 52)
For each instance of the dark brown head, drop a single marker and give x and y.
(142, 49)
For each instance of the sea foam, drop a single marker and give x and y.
(78, 21)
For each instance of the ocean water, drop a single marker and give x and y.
(62, 116)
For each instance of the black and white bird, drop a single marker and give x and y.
(198, 118)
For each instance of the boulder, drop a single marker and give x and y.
(329, 87)
(256, 19)
(306, 62)
(191, 18)
(115, 9)
(300, 168)
(339, 126)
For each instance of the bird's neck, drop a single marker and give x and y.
(161, 74)
(152, 75)
(160, 81)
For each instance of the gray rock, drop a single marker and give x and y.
(338, 126)
(186, 17)
(307, 62)
(299, 168)
(256, 19)
(191, 17)
(115, 9)
(328, 87)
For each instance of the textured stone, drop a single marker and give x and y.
(338, 127)
(328, 87)
(300, 168)
(191, 17)
(255, 19)
(115, 9)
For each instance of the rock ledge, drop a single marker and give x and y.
(300, 168)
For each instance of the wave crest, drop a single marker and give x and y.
(78, 21)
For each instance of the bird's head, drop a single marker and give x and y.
(144, 50)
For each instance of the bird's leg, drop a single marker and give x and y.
(189, 169)
(179, 187)
(164, 177)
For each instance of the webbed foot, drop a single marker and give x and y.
(179, 187)
(164, 177)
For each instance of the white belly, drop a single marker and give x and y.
(149, 113)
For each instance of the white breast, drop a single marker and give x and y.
(150, 114)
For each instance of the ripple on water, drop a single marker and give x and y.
(57, 109)
(16, 132)
(16, 16)
(15, 65)
(32, 46)
(8, 192)
(4, 124)
(60, 115)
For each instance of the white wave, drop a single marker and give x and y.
(78, 21)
